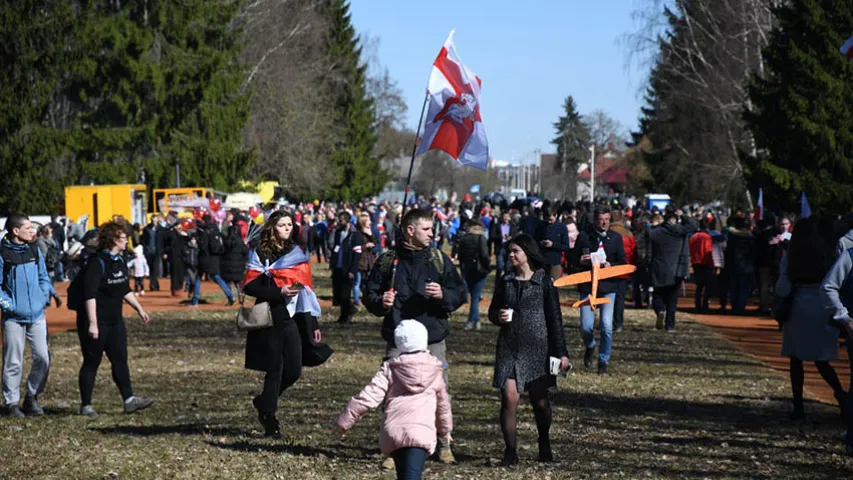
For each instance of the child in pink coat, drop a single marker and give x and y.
(415, 397)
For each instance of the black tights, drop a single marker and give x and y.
(509, 409)
(798, 379)
(112, 340)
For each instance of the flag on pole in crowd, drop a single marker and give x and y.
(759, 209)
(847, 48)
(805, 209)
(453, 122)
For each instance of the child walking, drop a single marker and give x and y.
(415, 397)
(190, 257)
(139, 266)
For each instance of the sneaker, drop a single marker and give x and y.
(388, 464)
(32, 407)
(660, 319)
(13, 411)
(602, 368)
(617, 329)
(445, 455)
(135, 404)
(230, 302)
(87, 411)
(588, 357)
(468, 326)
(477, 326)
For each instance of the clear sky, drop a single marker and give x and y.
(530, 56)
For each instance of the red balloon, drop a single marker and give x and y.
(215, 204)
(198, 213)
(187, 224)
(253, 211)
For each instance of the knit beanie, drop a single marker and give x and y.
(411, 336)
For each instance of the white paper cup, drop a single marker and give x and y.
(509, 310)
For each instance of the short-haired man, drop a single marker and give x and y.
(154, 246)
(24, 292)
(599, 237)
(345, 259)
(416, 281)
(670, 264)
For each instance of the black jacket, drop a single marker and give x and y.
(414, 270)
(235, 257)
(208, 262)
(350, 249)
(474, 255)
(613, 248)
(740, 252)
(159, 234)
(669, 252)
(559, 236)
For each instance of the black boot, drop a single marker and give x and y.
(510, 458)
(271, 426)
(588, 357)
(545, 453)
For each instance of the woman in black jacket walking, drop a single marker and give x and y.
(233, 264)
(527, 308)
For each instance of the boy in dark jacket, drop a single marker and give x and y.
(598, 237)
(189, 256)
(553, 240)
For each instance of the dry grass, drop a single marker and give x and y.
(675, 406)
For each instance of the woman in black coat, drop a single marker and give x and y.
(475, 261)
(233, 264)
(527, 308)
(179, 237)
(277, 350)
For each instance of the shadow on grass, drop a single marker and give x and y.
(304, 451)
(181, 429)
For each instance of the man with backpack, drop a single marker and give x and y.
(211, 246)
(416, 281)
(24, 292)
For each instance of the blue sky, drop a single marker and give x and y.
(529, 55)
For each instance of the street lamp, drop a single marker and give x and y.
(592, 172)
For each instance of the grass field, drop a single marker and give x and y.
(674, 406)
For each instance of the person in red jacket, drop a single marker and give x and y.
(702, 259)
(630, 245)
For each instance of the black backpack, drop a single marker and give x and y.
(52, 258)
(215, 244)
(75, 289)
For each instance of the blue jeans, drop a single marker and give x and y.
(224, 286)
(605, 325)
(196, 289)
(59, 274)
(502, 259)
(409, 462)
(356, 288)
(475, 289)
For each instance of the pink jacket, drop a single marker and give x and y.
(415, 400)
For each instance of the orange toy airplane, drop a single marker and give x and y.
(597, 273)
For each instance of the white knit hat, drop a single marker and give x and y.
(411, 336)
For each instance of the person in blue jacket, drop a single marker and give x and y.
(553, 239)
(24, 292)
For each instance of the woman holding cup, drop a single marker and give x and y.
(527, 308)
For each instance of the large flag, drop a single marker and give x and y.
(847, 48)
(453, 122)
(759, 210)
(805, 209)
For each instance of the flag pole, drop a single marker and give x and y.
(415, 150)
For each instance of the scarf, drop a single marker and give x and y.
(286, 270)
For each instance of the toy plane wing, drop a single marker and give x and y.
(586, 277)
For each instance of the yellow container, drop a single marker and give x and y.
(103, 202)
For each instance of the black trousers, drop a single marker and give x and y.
(342, 291)
(112, 340)
(288, 368)
(619, 307)
(154, 268)
(666, 300)
(704, 275)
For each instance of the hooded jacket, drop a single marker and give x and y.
(417, 406)
(26, 284)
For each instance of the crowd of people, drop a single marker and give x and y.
(393, 263)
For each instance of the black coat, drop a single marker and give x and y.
(473, 254)
(414, 270)
(159, 234)
(669, 252)
(559, 236)
(265, 347)
(740, 252)
(233, 264)
(613, 248)
(350, 249)
(208, 262)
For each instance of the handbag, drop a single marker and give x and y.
(782, 308)
(256, 317)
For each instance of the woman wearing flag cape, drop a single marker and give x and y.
(278, 273)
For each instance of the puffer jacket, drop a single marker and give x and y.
(417, 406)
(26, 285)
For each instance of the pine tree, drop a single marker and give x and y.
(802, 117)
(359, 171)
(572, 142)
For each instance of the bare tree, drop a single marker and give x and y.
(603, 129)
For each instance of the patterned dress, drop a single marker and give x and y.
(535, 333)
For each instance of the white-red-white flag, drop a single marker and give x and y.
(453, 122)
(847, 48)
